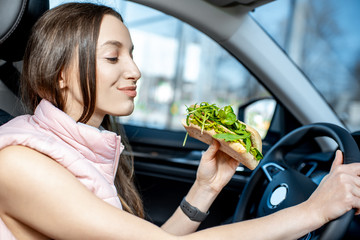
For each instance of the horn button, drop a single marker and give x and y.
(278, 195)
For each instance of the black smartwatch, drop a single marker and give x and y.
(192, 212)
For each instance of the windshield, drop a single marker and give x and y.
(322, 37)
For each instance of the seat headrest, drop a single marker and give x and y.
(16, 20)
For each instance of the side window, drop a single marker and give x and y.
(181, 66)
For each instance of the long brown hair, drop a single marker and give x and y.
(56, 37)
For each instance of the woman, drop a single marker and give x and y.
(57, 169)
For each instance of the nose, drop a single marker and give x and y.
(132, 72)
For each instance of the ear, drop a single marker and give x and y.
(62, 80)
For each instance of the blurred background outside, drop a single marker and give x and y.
(181, 66)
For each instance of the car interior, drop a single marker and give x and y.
(165, 169)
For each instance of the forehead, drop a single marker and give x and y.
(113, 29)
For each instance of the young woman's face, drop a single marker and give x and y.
(116, 71)
(116, 74)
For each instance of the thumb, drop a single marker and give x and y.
(338, 159)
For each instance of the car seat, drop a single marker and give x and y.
(16, 20)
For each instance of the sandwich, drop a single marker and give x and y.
(206, 122)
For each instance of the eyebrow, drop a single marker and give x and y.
(116, 44)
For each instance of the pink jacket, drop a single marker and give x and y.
(88, 153)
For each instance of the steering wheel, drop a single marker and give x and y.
(275, 184)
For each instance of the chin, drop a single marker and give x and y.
(124, 111)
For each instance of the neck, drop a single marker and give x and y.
(95, 121)
(75, 113)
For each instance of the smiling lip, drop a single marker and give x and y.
(130, 91)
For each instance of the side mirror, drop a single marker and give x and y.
(258, 114)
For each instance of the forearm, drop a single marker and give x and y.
(200, 197)
(290, 223)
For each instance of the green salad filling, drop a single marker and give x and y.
(209, 116)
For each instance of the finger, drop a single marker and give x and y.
(212, 149)
(356, 181)
(338, 159)
(355, 192)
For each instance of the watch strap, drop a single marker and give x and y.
(192, 212)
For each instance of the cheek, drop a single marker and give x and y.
(104, 74)
(107, 75)
(110, 100)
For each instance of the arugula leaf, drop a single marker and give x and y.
(255, 152)
(239, 126)
(228, 109)
(186, 136)
(229, 119)
(248, 144)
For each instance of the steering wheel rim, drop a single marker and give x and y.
(335, 229)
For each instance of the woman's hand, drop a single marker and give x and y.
(215, 171)
(216, 168)
(338, 192)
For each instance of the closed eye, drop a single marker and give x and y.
(112, 60)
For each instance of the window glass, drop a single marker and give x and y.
(259, 114)
(180, 66)
(322, 38)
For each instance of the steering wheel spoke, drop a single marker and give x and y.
(271, 169)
